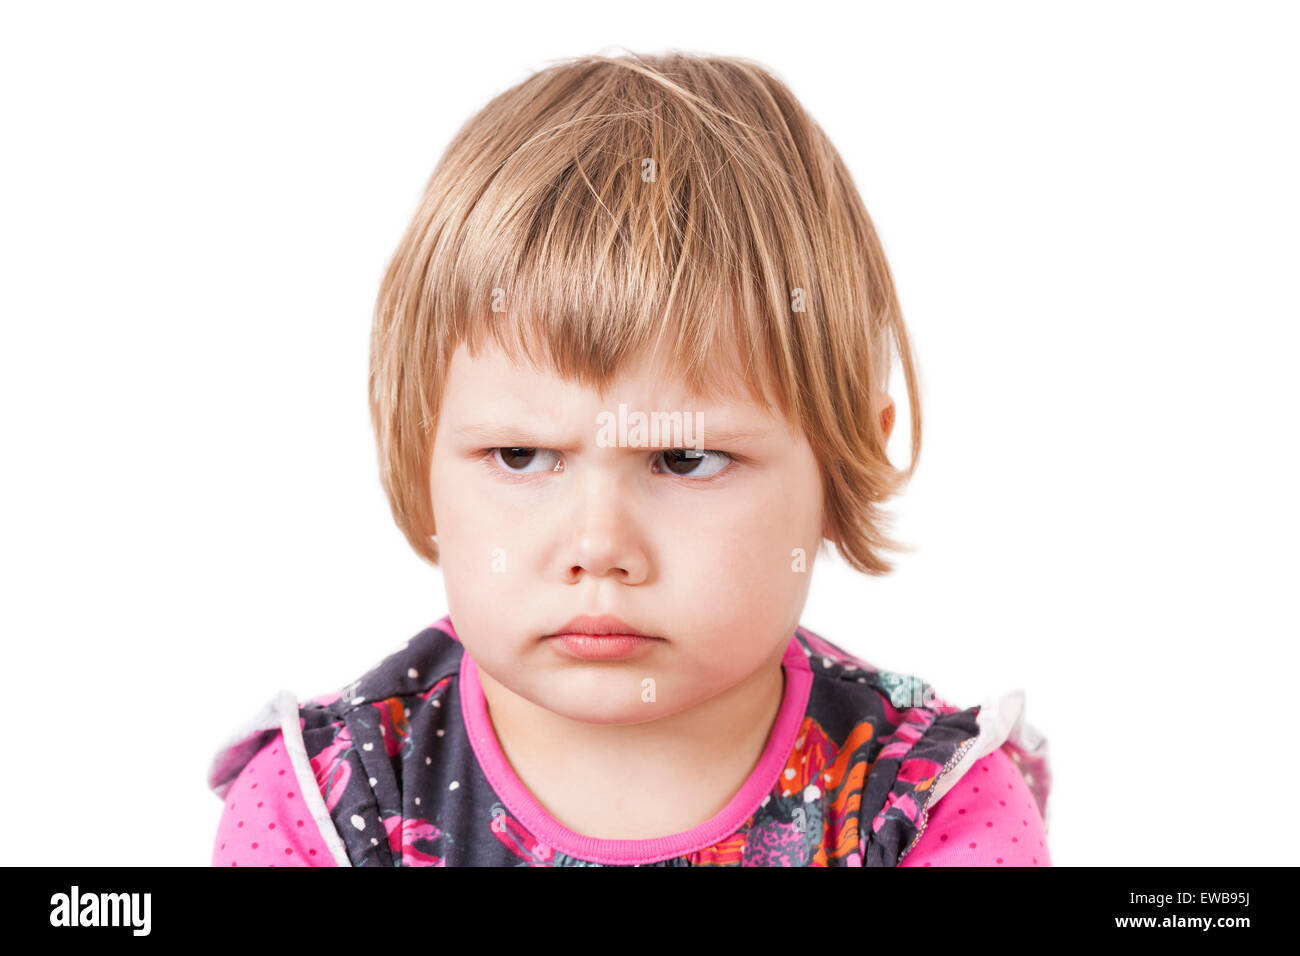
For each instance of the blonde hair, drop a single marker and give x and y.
(611, 204)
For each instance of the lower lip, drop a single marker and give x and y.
(602, 647)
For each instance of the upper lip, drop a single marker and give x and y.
(602, 624)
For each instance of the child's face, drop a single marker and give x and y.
(716, 561)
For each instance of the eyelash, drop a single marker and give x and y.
(488, 456)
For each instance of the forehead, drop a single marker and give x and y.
(493, 378)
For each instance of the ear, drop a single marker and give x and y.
(886, 414)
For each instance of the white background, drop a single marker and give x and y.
(1091, 211)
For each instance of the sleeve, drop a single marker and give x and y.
(988, 818)
(265, 821)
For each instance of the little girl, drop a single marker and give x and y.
(632, 355)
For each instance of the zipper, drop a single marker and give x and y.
(925, 810)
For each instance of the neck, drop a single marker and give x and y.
(628, 781)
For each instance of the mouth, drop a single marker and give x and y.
(604, 638)
(605, 626)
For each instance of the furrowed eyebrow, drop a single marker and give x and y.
(519, 436)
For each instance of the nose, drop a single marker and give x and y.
(600, 553)
(604, 541)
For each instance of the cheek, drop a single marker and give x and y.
(762, 528)
(766, 549)
(465, 543)
(463, 519)
(749, 568)
(760, 583)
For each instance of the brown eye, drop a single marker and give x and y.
(517, 459)
(686, 462)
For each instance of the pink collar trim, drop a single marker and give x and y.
(521, 803)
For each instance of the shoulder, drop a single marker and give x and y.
(377, 706)
(277, 772)
(415, 668)
(988, 818)
(924, 756)
(418, 667)
(898, 713)
(833, 666)
(266, 819)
